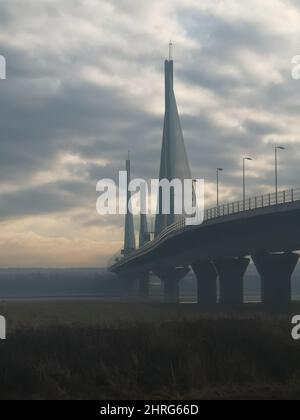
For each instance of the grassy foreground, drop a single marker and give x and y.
(94, 350)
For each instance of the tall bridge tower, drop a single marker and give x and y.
(174, 161)
(129, 238)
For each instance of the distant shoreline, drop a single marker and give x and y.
(109, 298)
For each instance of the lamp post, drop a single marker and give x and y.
(194, 202)
(244, 181)
(218, 171)
(276, 170)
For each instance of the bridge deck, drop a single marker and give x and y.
(256, 207)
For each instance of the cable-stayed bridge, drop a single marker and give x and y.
(265, 228)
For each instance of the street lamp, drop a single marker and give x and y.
(218, 171)
(244, 181)
(194, 201)
(276, 170)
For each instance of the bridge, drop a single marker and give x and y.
(264, 228)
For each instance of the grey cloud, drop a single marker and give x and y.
(47, 108)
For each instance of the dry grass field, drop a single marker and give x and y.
(97, 350)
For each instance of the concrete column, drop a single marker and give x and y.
(129, 282)
(206, 282)
(144, 285)
(276, 271)
(170, 278)
(231, 273)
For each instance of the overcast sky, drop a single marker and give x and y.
(85, 84)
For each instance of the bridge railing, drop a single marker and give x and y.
(250, 204)
(179, 225)
(117, 257)
(253, 203)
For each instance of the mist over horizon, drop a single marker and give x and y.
(98, 283)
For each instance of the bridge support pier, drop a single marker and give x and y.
(276, 271)
(206, 282)
(170, 278)
(231, 273)
(129, 282)
(144, 285)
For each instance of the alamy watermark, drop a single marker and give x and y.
(176, 197)
(296, 328)
(2, 328)
(2, 68)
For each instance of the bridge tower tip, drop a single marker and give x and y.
(170, 51)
